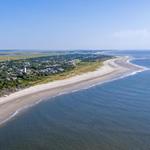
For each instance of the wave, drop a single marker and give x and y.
(19, 110)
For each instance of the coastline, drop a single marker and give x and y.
(112, 69)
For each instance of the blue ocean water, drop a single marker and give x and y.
(112, 116)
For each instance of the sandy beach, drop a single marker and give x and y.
(112, 69)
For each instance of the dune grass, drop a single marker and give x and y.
(82, 67)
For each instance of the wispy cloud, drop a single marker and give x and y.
(141, 33)
(130, 39)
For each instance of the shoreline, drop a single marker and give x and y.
(111, 70)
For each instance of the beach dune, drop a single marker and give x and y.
(111, 69)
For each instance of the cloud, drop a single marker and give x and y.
(130, 39)
(142, 33)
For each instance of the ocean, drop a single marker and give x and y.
(111, 116)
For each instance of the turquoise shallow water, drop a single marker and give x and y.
(112, 116)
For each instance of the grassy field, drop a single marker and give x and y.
(6, 56)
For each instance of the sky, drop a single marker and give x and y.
(74, 24)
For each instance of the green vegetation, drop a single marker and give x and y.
(81, 68)
(8, 58)
(28, 71)
(20, 56)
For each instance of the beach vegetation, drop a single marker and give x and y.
(22, 73)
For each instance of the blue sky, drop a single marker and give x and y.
(74, 24)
